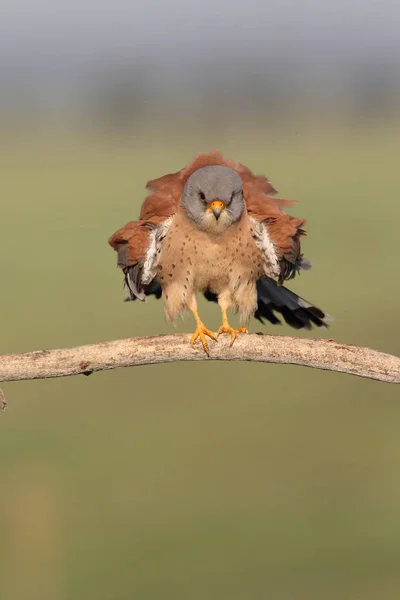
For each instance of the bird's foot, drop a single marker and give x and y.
(226, 328)
(201, 332)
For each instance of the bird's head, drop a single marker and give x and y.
(213, 198)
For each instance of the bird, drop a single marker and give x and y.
(215, 228)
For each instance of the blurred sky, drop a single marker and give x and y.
(34, 33)
(118, 61)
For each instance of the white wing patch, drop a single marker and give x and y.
(157, 236)
(263, 241)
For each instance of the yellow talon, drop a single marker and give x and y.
(226, 328)
(201, 332)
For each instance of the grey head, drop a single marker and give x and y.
(213, 198)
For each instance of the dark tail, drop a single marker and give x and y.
(296, 311)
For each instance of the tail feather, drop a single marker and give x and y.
(296, 311)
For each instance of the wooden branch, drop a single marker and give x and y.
(314, 353)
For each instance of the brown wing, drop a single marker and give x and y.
(164, 198)
(136, 244)
(133, 244)
(284, 231)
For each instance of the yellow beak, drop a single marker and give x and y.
(217, 206)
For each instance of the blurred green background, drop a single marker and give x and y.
(209, 480)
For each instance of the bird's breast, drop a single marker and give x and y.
(199, 260)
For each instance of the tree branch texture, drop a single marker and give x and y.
(314, 353)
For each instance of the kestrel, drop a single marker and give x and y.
(214, 227)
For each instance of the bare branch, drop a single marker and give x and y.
(314, 353)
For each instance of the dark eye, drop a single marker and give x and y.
(202, 196)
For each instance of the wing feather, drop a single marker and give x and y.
(138, 246)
